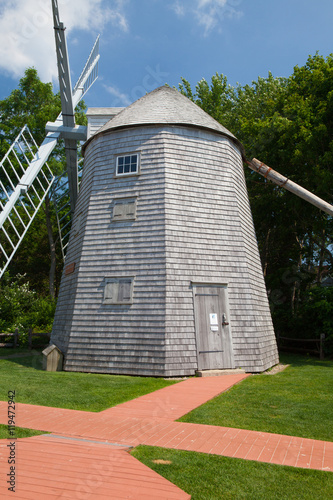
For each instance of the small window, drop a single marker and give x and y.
(124, 209)
(127, 165)
(118, 291)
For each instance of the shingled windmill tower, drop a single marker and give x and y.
(162, 274)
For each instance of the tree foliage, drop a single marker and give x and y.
(23, 308)
(33, 103)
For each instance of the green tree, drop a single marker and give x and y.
(286, 123)
(309, 108)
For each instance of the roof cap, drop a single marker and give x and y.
(164, 106)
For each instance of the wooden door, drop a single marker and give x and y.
(213, 335)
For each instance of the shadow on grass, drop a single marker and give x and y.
(34, 359)
(303, 360)
(31, 359)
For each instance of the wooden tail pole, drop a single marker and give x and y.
(291, 186)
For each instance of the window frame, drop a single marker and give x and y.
(123, 201)
(131, 173)
(118, 280)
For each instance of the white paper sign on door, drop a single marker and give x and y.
(213, 319)
(213, 322)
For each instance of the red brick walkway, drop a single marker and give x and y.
(53, 467)
(86, 456)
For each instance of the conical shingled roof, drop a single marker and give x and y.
(164, 105)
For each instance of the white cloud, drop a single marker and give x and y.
(26, 30)
(179, 9)
(121, 98)
(208, 13)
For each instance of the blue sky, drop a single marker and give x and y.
(146, 43)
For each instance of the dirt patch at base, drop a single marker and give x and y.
(276, 369)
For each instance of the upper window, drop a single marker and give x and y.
(127, 164)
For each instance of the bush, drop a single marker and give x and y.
(22, 308)
(41, 314)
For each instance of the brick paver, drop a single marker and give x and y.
(87, 455)
(54, 467)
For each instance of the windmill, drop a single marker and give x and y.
(27, 177)
(163, 274)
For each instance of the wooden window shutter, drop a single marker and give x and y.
(111, 291)
(124, 291)
(124, 209)
(130, 209)
(118, 291)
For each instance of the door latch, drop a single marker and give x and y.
(224, 320)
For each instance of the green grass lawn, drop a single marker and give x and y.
(19, 432)
(297, 401)
(78, 391)
(210, 477)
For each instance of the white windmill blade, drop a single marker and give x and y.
(69, 100)
(67, 106)
(89, 74)
(65, 84)
(21, 197)
(30, 169)
(24, 166)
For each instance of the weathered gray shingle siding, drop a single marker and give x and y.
(193, 224)
(256, 316)
(121, 339)
(210, 238)
(62, 327)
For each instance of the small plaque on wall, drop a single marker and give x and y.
(69, 269)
